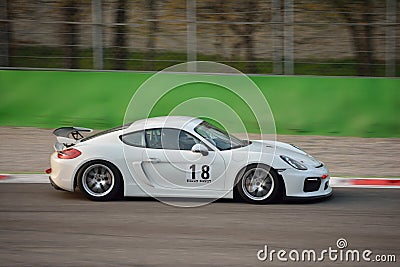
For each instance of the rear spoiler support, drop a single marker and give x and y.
(68, 136)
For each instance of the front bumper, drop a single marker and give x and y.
(308, 198)
(307, 184)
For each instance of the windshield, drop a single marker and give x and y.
(222, 140)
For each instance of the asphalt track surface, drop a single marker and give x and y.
(43, 227)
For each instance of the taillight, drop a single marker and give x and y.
(69, 153)
(48, 171)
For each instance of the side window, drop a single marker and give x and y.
(153, 138)
(134, 139)
(187, 141)
(167, 138)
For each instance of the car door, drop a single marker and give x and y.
(168, 161)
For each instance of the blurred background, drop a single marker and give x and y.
(306, 37)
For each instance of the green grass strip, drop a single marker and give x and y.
(364, 107)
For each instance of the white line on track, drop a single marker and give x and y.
(334, 181)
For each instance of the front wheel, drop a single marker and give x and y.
(259, 185)
(100, 181)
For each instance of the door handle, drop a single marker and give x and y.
(153, 160)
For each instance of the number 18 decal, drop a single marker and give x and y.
(205, 171)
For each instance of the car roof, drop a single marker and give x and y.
(179, 122)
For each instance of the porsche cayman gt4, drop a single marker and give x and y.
(178, 156)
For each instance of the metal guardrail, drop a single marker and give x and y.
(311, 37)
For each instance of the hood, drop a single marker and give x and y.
(284, 149)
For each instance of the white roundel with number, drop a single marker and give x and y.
(201, 176)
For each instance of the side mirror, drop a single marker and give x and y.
(199, 148)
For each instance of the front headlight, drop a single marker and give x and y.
(294, 163)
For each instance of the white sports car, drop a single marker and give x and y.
(182, 157)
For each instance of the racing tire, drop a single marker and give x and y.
(259, 184)
(100, 181)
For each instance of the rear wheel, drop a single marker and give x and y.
(259, 185)
(100, 181)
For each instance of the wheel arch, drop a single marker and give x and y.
(251, 165)
(92, 161)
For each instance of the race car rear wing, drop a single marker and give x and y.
(68, 136)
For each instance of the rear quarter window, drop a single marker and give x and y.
(134, 139)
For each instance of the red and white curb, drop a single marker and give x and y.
(365, 182)
(334, 181)
(24, 178)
